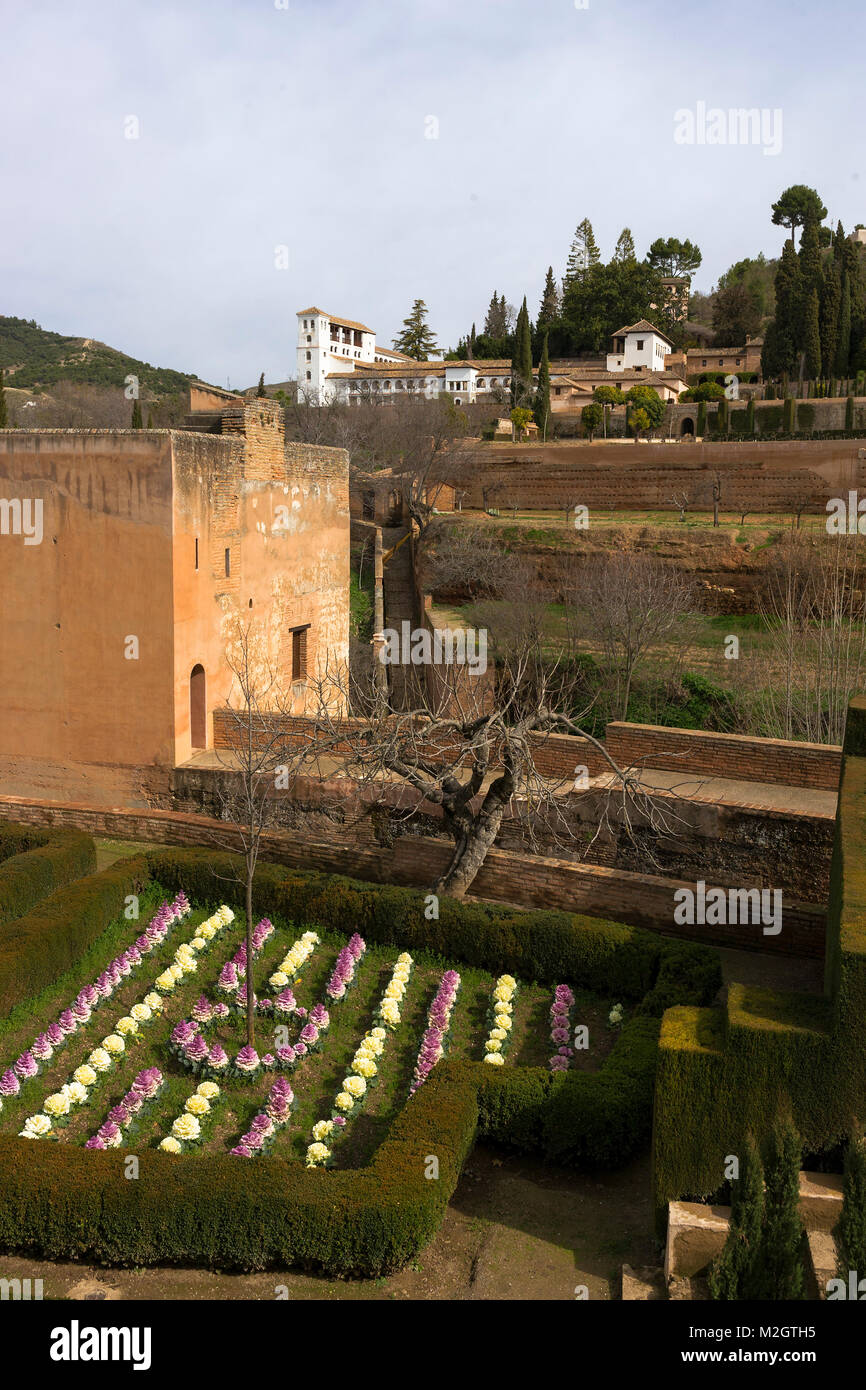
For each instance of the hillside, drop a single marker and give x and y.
(34, 359)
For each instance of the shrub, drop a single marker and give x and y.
(777, 1269)
(40, 946)
(548, 946)
(221, 1212)
(47, 861)
(851, 1231)
(730, 1272)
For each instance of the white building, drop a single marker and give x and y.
(339, 360)
(639, 346)
(328, 344)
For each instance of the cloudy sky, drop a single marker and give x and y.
(396, 149)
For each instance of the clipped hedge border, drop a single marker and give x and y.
(724, 1071)
(34, 863)
(547, 946)
(40, 946)
(64, 1203)
(224, 1214)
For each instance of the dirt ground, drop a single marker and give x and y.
(515, 1229)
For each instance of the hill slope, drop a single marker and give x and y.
(34, 358)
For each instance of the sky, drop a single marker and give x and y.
(179, 180)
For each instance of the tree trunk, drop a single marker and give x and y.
(470, 850)
(251, 1012)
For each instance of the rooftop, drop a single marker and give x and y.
(334, 318)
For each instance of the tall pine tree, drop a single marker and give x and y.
(778, 1271)
(851, 1232)
(584, 252)
(788, 310)
(548, 310)
(135, 423)
(624, 250)
(417, 339)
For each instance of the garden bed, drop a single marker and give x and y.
(146, 1059)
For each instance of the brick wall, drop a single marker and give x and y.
(529, 881)
(637, 476)
(812, 765)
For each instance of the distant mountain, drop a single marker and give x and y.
(34, 359)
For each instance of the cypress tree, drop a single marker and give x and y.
(260, 389)
(787, 332)
(541, 410)
(843, 341)
(722, 419)
(831, 296)
(810, 258)
(4, 410)
(849, 425)
(750, 416)
(851, 1232)
(150, 419)
(777, 1272)
(730, 1271)
(136, 416)
(789, 415)
(521, 361)
(812, 337)
(701, 425)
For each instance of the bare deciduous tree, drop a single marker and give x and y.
(813, 604)
(629, 605)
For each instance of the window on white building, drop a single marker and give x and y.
(640, 342)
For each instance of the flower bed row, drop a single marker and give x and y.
(560, 1028)
(101, 1060)
(265, 1125)
(363, 1068)
(91, 997)
(233, 975)
(294, 960)
(436, 1034)
(501, 1020)
(144, 1089)
(186, 1129)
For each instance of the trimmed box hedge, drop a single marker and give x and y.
(34, 863)
(723, 1072)
(66, 1203)
(547, 946)
(39, 947)
(216, 1211)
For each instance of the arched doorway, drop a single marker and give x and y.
(198, 707)
(687, 426)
